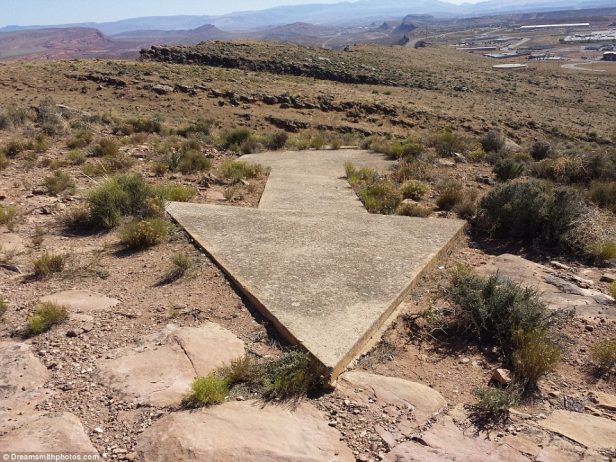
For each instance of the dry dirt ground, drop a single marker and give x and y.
(559, 105)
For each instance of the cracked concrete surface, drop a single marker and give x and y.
(326, 273)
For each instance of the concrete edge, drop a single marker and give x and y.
(372, 335)
(200, 242)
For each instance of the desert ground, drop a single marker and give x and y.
(136, 305)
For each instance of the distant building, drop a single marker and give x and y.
(609, 56)
(557, 26)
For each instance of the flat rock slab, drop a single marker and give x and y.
(329, 282)
(555, 291)
(53, 433)
(425, 402)
(445, 442)
(593, 432)
(160, 370)
(244, 431)
(11, 243)
(81, 301)
(22, 378)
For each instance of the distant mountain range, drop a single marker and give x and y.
(360, 12)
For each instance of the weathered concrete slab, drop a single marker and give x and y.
(328, 281)
(328, 274)
(314, 180)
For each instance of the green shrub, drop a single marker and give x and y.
(40, 144)
(601, 252)
(236, 170)
(603, 354)
(380, 197)
(451, 193)
(493, 404)
(4, 306)
(412, 170)
(13, 148)
(106, 147)
(520, 210)
(206, 391)
(8, 216)
(48, 264)
(413, 210)
(234, 138)
(290, 375)
(613, 289)
(124, 195)
(534, 355)
(142, 234)
(563, 169)
(250, 146)
(181, 266)
(200, 127)
(363, 175)
(4, 161)
(47, 117)
(540, 150)
(414, 190)
(46, 315)
(80, 140)
(76, 157)
(446, 143)
(317, 141)
(494, 310)
(604, 194)
(60, 182)
(174, 192)
(493, 141)
(142, 125)
(276, 140)
(467, 207)
(193, 161)
(13, 117)
(508, 169)
(242, 370)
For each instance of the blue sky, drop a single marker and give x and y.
(28, 12)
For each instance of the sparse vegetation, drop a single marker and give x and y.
(206, 391)
(510, 317)
(534, 356)
(603, 354)
(508, 169)
(142, 234)
(493, 141)
(604, 194)
(236, 170)
(181, 266)
(105, 147)
(414, 190)
(446, 143)
(8, 216)
(380, 197)
(413, 210)
(493, 404)
(48, 264)
(535, 210)
(60, 182)
(4, 306)
(174, 192)
(46, 316)
(124, 195)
